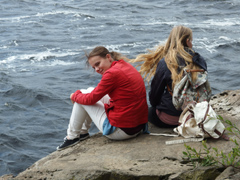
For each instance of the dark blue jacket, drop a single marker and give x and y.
(159, 96)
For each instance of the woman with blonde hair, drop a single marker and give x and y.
(117, 105)
(165, 65)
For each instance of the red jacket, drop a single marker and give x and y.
(125, 86)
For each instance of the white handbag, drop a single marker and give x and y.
(199, 120)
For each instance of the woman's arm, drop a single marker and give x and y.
(157, 85)
(106, 85)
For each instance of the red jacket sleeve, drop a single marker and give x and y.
(105, 86)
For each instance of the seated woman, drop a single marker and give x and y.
(166, 64)
(117, 106)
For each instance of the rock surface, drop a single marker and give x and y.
(142, 158)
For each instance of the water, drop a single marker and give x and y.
(42, 58)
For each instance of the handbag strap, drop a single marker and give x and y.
(187, 70)
(169, 90)
(194, 70)
(205, 116)
(222, 135)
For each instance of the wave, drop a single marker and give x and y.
(74, 13)
(57, 57)
(39, 14)
(14, 152)
(232, 45)
(4, 87)
(225, 22)
(222, 22)
(50, 57)
(24, 98)
(14, 19)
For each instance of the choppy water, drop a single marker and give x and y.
(41, 58)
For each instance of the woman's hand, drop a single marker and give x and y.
(71, 98)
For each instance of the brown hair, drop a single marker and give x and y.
(102, 52)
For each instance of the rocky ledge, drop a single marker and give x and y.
(146, 157)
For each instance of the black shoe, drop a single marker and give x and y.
(84, 136)
(68, 143)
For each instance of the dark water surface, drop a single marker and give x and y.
(41, 58)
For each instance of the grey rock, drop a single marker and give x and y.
(229, 173)
(142, 158)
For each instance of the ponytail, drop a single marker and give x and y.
(102, 52)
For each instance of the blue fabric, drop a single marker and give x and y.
(107, 127)
(145, 129)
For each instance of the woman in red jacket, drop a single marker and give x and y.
(117, 106)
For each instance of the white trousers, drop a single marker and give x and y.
(83, 115)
